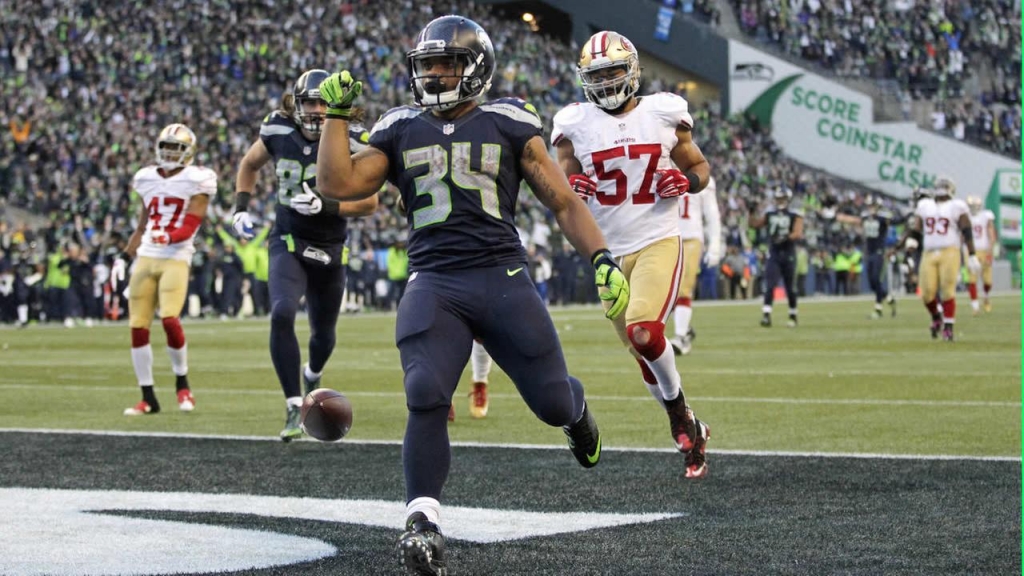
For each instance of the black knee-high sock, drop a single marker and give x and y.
(426, 453)
(284, 351)
(321, 344)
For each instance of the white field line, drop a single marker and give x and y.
(275, 439)
(643, 398)
(839, 371)
(585, 310)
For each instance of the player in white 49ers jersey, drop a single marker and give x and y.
(986, 242)
(699, 221)
(630, 158)
(174, 197)
(942, 221)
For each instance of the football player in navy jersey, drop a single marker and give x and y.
(785, 227)
(307, 240)
(458, 165)
(874, 227)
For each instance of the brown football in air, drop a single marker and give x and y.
(326, 415)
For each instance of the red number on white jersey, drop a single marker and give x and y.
(156, 216)
(684, 214)
(643, 195)
(936, 225)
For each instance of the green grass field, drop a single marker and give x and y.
(838, 383)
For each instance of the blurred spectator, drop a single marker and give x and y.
(934, 49)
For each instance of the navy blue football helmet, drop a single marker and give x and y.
(471, 51)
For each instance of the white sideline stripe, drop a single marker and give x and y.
(644, 398)
(275, 439)
(585, 310)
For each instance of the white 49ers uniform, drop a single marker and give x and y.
(940, 260)
(621, 153)
(699, 222)
(982, 245)
(160, 274)
(166, 200)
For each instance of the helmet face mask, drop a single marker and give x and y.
(306, 93)
(453, 62)
(609, 70)
(782, 196)
(974, 203)
(175, 147)
(945, 187)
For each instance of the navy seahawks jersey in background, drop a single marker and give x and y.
(876, 230)
(294, 162)
(459, 181)
(780, 224)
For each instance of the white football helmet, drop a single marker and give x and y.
(604, 52)
(175, 147)
(944, 186)
(974, 203)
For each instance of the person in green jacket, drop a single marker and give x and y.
(56, 284)
(398, 270)
(856, 266)
(842, 264)
(248, 252)
(261, 279)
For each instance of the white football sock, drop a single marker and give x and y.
(310, 375)
(142, 360)
(656, 392)
(481, 362)
(683, 315)
(664, 369)
(179, 360)
(975, 306)
(428, 506)
(766, 309)
(23, 313)
(293, 401)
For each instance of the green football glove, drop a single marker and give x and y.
(340, 90)
(609, 275)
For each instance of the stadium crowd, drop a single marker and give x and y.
(933, 50)
(82, 112)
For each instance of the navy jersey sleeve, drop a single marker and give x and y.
(382, 137)
(276, 127)
(358, 138)
(517, 119)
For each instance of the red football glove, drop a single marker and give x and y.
(671, 183)
(583, 187)
(160, 237)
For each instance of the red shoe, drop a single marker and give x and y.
(186, 403)
(139, 409)
(696, 463)
(478, 402)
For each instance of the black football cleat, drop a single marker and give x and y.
(584, 439)
(691, 436)
(947, 332)
(892, 304)
(766, 320)
(936, 328)
(421, 547)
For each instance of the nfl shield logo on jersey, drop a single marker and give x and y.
(307, 150)
(448, 129)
